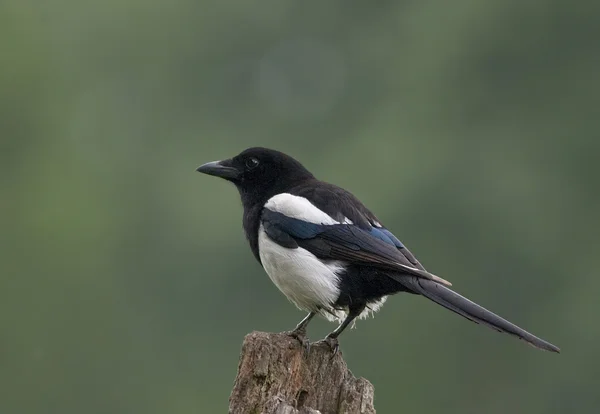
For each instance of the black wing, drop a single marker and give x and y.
(348, 242)
(340, 204)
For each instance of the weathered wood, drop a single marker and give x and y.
(276, 376)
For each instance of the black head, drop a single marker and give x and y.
(259, 173)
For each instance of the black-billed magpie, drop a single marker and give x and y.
(327, 252)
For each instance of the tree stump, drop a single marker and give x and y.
(276, 376)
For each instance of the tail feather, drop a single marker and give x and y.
(470, 310)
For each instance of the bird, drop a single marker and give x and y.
(328, 253)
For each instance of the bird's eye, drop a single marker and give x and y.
(252, 163)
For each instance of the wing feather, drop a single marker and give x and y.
(346, 242)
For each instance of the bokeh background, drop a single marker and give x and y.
(470, 127)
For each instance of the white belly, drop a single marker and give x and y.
(306, 281)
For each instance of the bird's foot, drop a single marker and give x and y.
(300, 335)
(332, 343)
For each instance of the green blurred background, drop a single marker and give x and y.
(470, 127)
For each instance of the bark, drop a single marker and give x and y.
(276, 376)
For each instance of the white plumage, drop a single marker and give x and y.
(299, 208)
(305, 280)
(311, 284)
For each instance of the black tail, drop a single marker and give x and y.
(470, 310)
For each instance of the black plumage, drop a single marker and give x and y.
(326, 251)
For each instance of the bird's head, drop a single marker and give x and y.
(259, 173)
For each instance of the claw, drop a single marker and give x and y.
(333, 344)
(300, 335)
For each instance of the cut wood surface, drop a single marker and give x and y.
(276, 376)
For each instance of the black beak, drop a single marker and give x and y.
(221, 169)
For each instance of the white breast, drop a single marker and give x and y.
(306, 281)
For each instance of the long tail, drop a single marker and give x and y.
(470, 310)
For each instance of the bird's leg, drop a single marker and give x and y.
(332, 338)
(301, 327)
(299, 331)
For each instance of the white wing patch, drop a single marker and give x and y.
(305, 280)
(299, 208)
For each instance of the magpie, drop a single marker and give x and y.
(329, 254)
